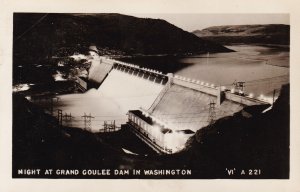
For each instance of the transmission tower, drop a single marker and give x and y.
(87, 121)
(68, 119)
(212, 112)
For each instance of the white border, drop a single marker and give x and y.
(139, 6)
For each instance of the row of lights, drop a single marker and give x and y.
(195, 81)
(136, 66)
(127, 64)
(261, 97)
(223, 88)
(152, 70)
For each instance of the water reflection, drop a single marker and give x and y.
(248, 63)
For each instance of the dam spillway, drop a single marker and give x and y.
(123, 87)
(129, 90)
(163, 110)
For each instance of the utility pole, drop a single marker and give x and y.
(212, 112)
(112, 126)
(87, 121)
(104, 126)
(68, 119)
(59, 117)
(109, 127)
(51, 103)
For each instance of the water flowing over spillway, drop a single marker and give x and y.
(129, 91)
(119, 93)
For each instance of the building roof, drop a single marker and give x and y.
(139, 114)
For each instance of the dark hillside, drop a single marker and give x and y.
(64, 34)
(247, 140)
(41, 40)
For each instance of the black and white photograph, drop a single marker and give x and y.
(151, 96)
(161, 95)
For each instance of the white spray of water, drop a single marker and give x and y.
(175, 140)
(119, 93)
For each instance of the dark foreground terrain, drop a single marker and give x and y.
(248, 140)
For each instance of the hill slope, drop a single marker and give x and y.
(42, 40)
(245, 141)
(247, 34)
(61, 34)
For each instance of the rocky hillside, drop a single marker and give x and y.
(247, 34)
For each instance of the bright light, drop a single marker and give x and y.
(58, 76)
(78, 57)
(60, 64)
(261, 97)
(21, 87)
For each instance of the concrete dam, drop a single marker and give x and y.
(163, 110)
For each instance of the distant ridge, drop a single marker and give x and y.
(247, 34)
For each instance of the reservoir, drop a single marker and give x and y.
(263, 68)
